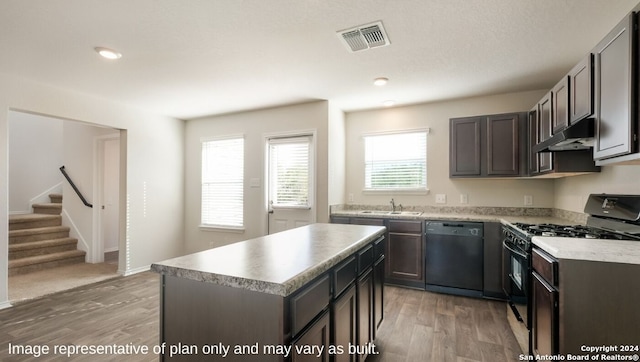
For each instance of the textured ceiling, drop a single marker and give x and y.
(187, 59)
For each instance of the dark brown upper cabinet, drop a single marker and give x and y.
(465, 146)
(503, 145)
(534, 157)
(545, 126)
(581, 90)
(615, 91)
(560, 105)
(488, 146)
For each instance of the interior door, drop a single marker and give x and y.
(290, 182)
(111, 191)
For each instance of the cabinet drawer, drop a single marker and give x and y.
(379, 247)
(344, 274)
(367, 221)
(545, 265)
(365, 258)
(309, 302)
(405, 226)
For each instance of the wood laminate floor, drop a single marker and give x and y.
(417, 326)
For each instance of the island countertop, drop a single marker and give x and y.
(275, 264)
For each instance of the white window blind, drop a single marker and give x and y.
(396, 161)
(223, 183)
(289, 172)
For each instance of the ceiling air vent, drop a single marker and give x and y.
(364, 37)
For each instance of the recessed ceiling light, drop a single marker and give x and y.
(380, 81)
(389, 103)
(108, 53)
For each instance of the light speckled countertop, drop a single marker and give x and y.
(276, 264)
(615, 251)
(460, 217)
(612, 251)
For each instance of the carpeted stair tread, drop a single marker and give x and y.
(27, 221)
(34, 248)
(37, 234)
(40, 259)
(46, 261)
(42, 244)
(56, 198)
(49, 208)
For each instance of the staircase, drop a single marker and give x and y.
(39, 241)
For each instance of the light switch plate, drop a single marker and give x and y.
(441, 198)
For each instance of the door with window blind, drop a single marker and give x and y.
(290, 183)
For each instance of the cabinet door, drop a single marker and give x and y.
(545, 117)
(613, 92)
(316, 335)
(534, 157)
(378, 294)
(344, 321)
(560, 104)
(544, 330)
(465, 146)
(365, 311)
(405, 259)
(581, 90)
(503, 145)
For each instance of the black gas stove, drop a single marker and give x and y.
(614, 217)
(571, 231)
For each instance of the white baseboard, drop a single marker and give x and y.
(5, 305)
(142, 269)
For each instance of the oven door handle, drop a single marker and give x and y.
(518, 253)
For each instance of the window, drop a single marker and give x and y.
(223, 183)
(396, 161)
(289, 172)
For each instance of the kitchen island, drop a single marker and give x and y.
(306, 292)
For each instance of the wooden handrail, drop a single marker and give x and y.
(84, 201)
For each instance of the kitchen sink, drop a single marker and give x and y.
(380, 212)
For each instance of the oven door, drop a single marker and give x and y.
(515, 282)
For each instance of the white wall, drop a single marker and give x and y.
(481, 192)
(572, 192)
(255, 126)
(79, 156)
(154, 151)
(35, 154)
(337, 156)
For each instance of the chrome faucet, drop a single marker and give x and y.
(393, 205)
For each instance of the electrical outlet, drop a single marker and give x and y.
(528, 200)
(441, 198)
(350, 197)
(464, 198)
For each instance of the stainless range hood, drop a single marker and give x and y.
(578, 136)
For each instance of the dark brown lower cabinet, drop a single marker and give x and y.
(378, 294)
(544, 300)
(405, 259)
(316, 335)
(365, 312)
(545, 317)
(344, 324)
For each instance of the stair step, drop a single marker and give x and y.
(30, 221)
(33, 248)
(55, 198)
(38, 234)
(50, 208)
(40, 262)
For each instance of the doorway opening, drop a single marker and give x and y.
(40, 147)
(290, 182)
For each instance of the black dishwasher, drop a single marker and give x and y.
(454, 257)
